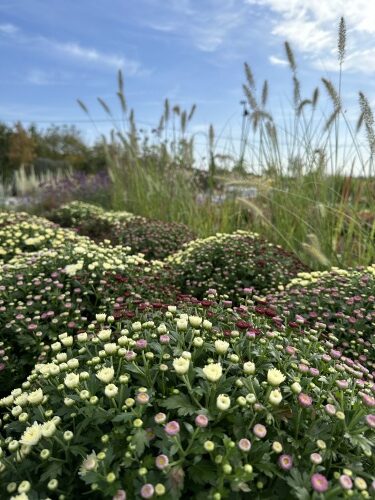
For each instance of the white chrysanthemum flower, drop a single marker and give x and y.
(36, 397)
(71, 380)
(181, 365)
(106, 374)
(48, 429)
(275, 397)
(195, 321)
(90, 463)
(213, 372)
(221, 346)
(32, 435)
(275, 377)
(111, 390)
(249, 368)
(223, 402)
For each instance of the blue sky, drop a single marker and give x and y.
(191, 51)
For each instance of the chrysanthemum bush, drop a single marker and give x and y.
(20, 233)
(231, 263)
(46, 293)
(155, 239)
(341, 302)
(199, 402)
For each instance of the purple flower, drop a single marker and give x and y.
(368, 400)
(244, 444)
(330, 409)
(141, 344)
(346, 482)
(147, 491)
(370, 420)
(304, 400)
(319, 483)
(260, 431)
(130, 355)
(164, 339)
(285, 462)
(161, 462)
(172, 428)
(120, 495)
(201, 421)
(342, 384)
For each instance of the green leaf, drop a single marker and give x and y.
(181, 403)
(140, 440)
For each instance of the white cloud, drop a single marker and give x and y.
(207, 25)
(73, 50)
(277, 61)
(311, 28)
(8, 29)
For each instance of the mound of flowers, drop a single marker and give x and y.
(190, 402)
(20, 232)
(231, 263)
(45, 293)
(154, 238)
(340, 302)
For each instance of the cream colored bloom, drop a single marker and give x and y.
(36, 397)
(89, 463)
(71, 380)
(221, 346)
(275, 397)
(32, 434)
(213, 372)
(181, 365)
(106, 374)
(223, 402)
(249, 368)
(48, 429)
(195, 321)
(275, 377)
(111, 390)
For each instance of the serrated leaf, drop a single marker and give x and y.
(181, 403)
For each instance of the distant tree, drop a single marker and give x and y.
(22, 151)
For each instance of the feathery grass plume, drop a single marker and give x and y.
(341, 42)
(183, 121)
(296, 91)
(302, 104)
(176, 109)
(120, 92)
(192, 111)
(272, 133)
(332, 92)
(166, 110)
(331, 119)
(360, 122)
(250, 97)
(368, 119)
(211, 136)
(249, 76)
(83, 106)
(290, 57)
(312, 247)
(104, 105)
(315, 97)
(265, 93)
(256, 211)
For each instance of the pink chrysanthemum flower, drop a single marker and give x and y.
(319, 483)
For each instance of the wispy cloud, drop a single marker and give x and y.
(311, 27)
(8, 29)
(74, 51)
(42, 78)
(277, 61)
(208, 27)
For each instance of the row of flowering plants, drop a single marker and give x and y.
(200, 401)
(231, 263)
(58, 289)
(154, 238)
(341, 302)
(21, 233)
